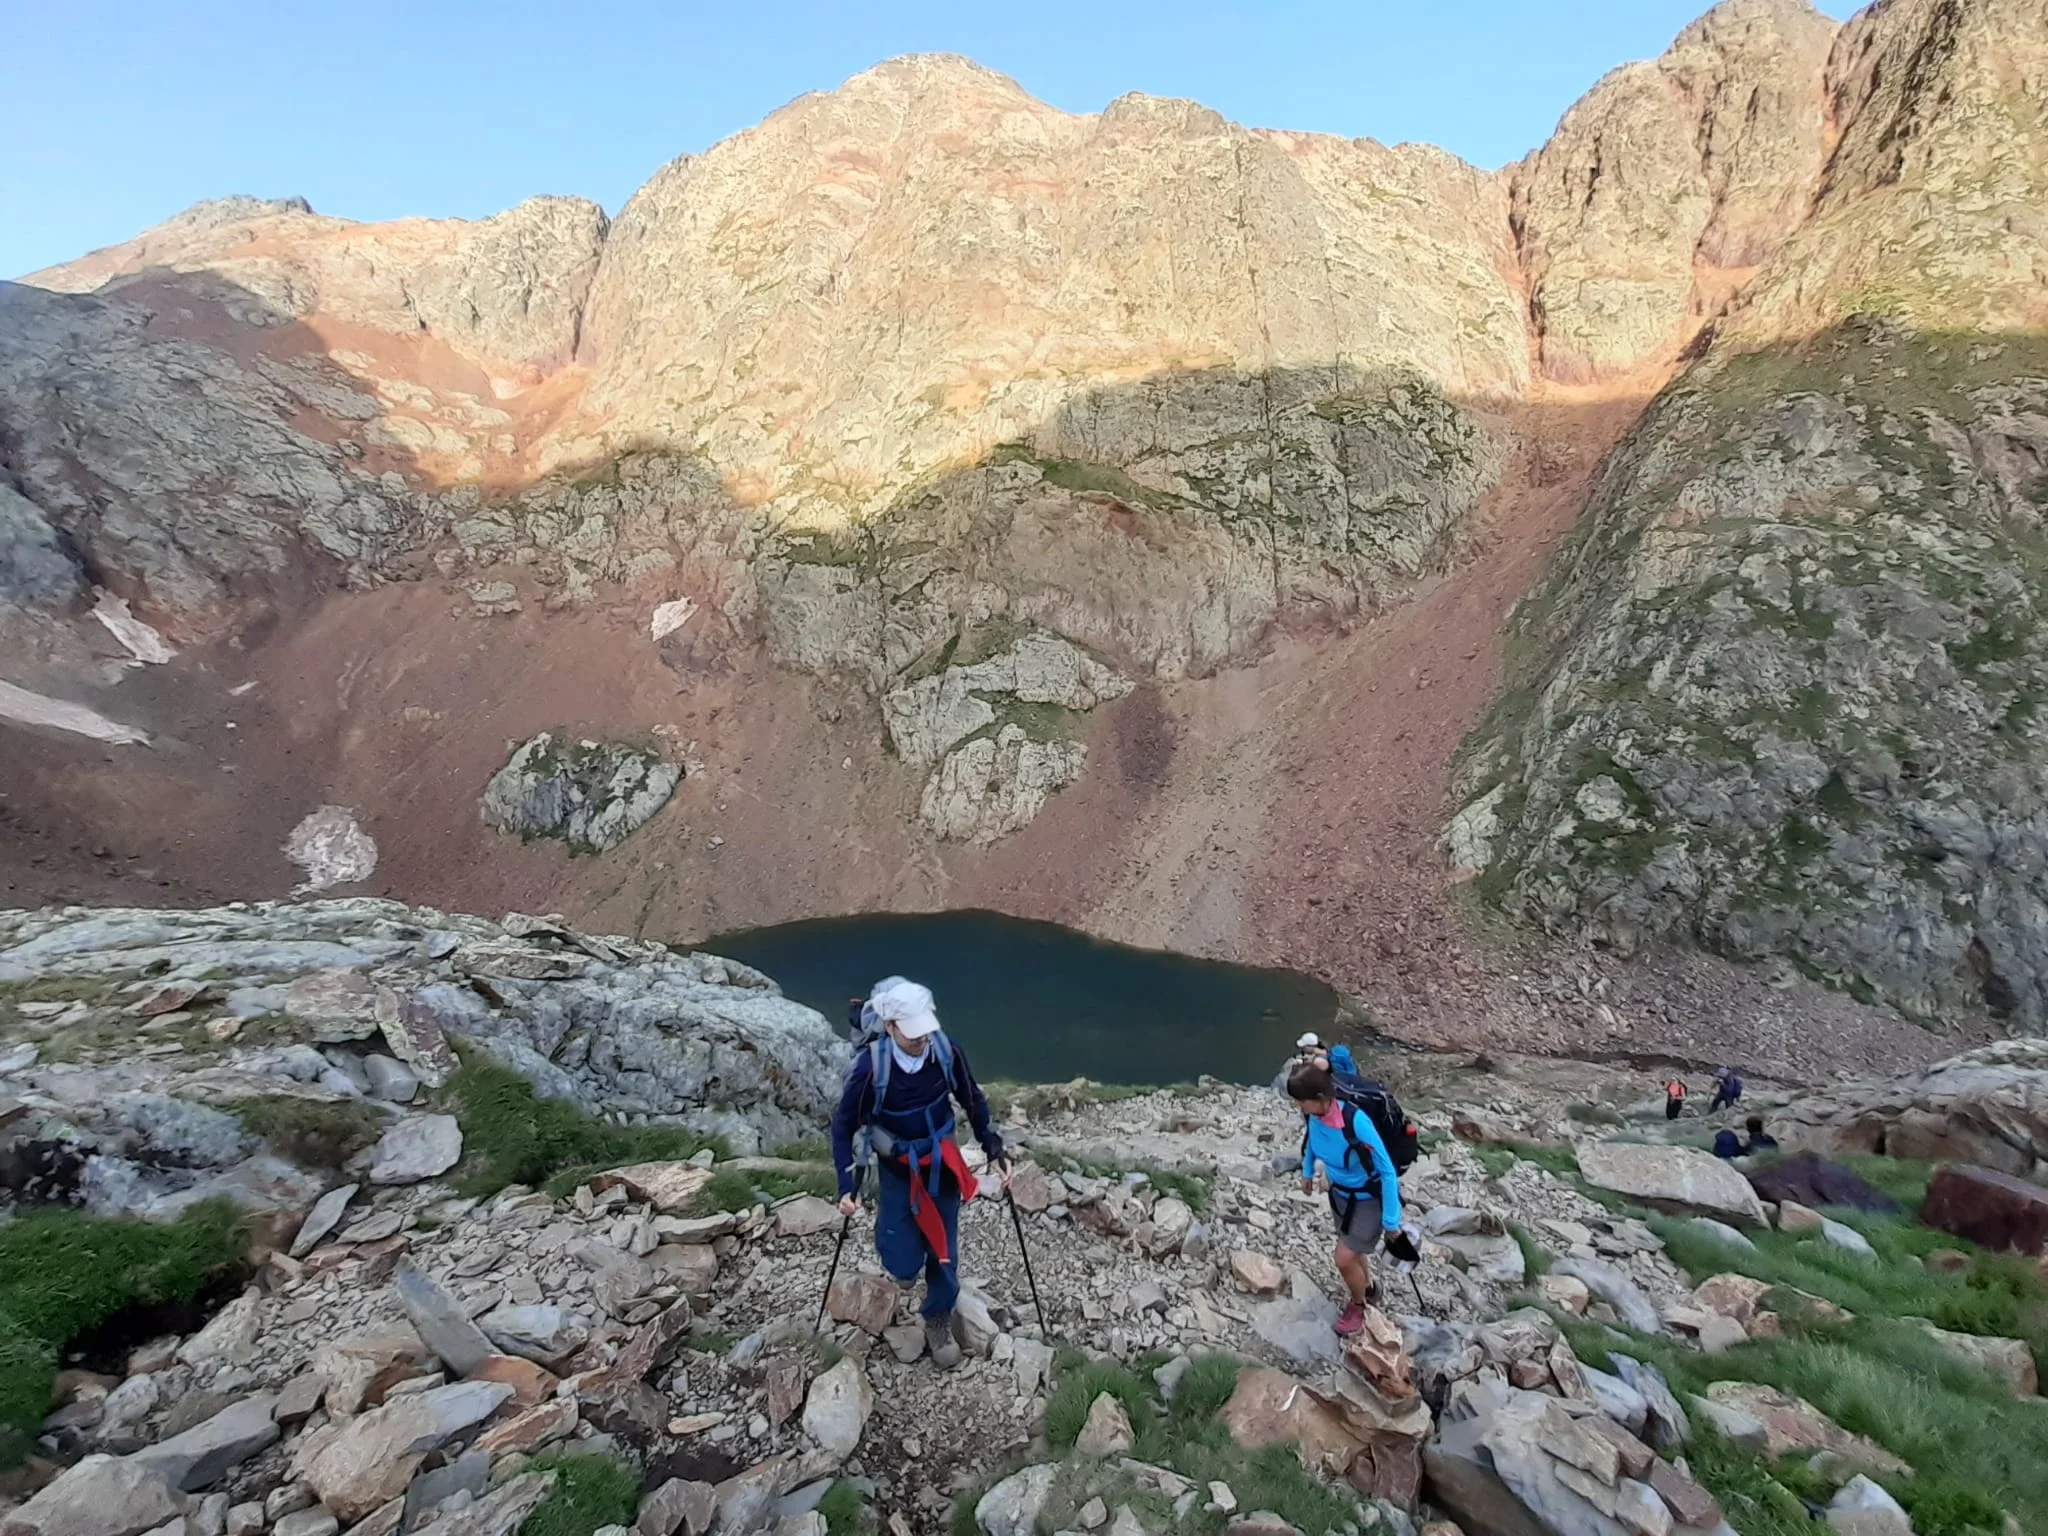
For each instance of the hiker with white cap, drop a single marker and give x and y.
(898, 1107)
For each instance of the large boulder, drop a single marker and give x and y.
(836, 1412)
(1363, 1423)
(370, 1459)
(1987, 1107)
(100, 1496)
(1994, 1210)
(207, 1452)
(1012, 1507)
(2008, 1360)
(1809, 1180)
(417, 1147)
(1613, 1286)
(541, 1332)
(442, 1321)
(1672, 1178)
(670, 1187)
(1108, 1430)
(1792, 1424)
(592, 795)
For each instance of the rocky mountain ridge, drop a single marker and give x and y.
(921, 382)
(1780, 688)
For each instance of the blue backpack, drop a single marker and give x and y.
(1403, 1140)
(874, 1140)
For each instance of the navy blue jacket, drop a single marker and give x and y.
(902, 1112)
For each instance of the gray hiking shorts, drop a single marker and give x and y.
(1358, 1218)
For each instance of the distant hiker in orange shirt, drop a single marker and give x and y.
(1674, 1098)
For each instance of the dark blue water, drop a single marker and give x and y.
(1035, 1002)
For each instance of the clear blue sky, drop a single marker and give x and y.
(115, 115)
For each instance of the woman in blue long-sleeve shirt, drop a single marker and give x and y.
(1365, 1193)
(920, 1177)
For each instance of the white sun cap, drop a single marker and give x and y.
(908, 1005)
(1308, 1042)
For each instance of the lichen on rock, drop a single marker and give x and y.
(592, 795)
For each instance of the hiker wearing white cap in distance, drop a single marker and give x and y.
(899, 1100)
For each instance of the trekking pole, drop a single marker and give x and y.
(845, 1224)
(1018, 1220)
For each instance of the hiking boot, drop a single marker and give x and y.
(1351, 1319)
(938, 1339)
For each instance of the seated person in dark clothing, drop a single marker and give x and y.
(1760, 1140)
(1727, 1144)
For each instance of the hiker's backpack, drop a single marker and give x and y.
(1353, 1089)
(880, 1060)
(873, 1140)
(863, 1024)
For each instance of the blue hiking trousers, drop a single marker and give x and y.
(902, 1248)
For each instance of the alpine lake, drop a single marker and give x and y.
(1035, 1002)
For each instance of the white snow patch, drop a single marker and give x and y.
(35, 709)
(331, 849)
(670, 617)
(142, 641)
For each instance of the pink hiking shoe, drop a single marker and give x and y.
(1351, 1319)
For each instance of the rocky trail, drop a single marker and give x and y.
(1472, 587)
(419, 1346)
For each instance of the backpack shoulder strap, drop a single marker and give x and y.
(1357, 1142)
(944, 1047)
(878, 1068)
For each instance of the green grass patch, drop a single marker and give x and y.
(510, 1135)
(1188, 1436)
(1534, 1255)
(710, 1341)
(845, 1511)
(589, 1492)
(1081, 1381)
(1999, 1294)
(732, 1190)
(1594, 1114)
(319, 1133)
(1561, 1161)
(1904, 1179)
(1978, 1452)
(63, 1272)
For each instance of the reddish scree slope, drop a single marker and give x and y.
(1284, 813)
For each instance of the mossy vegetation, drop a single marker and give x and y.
(320, 1133)
(1089, 478)
(510, 1135)
(590, 1492)
(731, 1189)
(1186, 1436)
(63, 1272)
(846, 1512)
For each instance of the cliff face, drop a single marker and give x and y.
(1669, 183)
(1009, 438)
(1782, 691)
